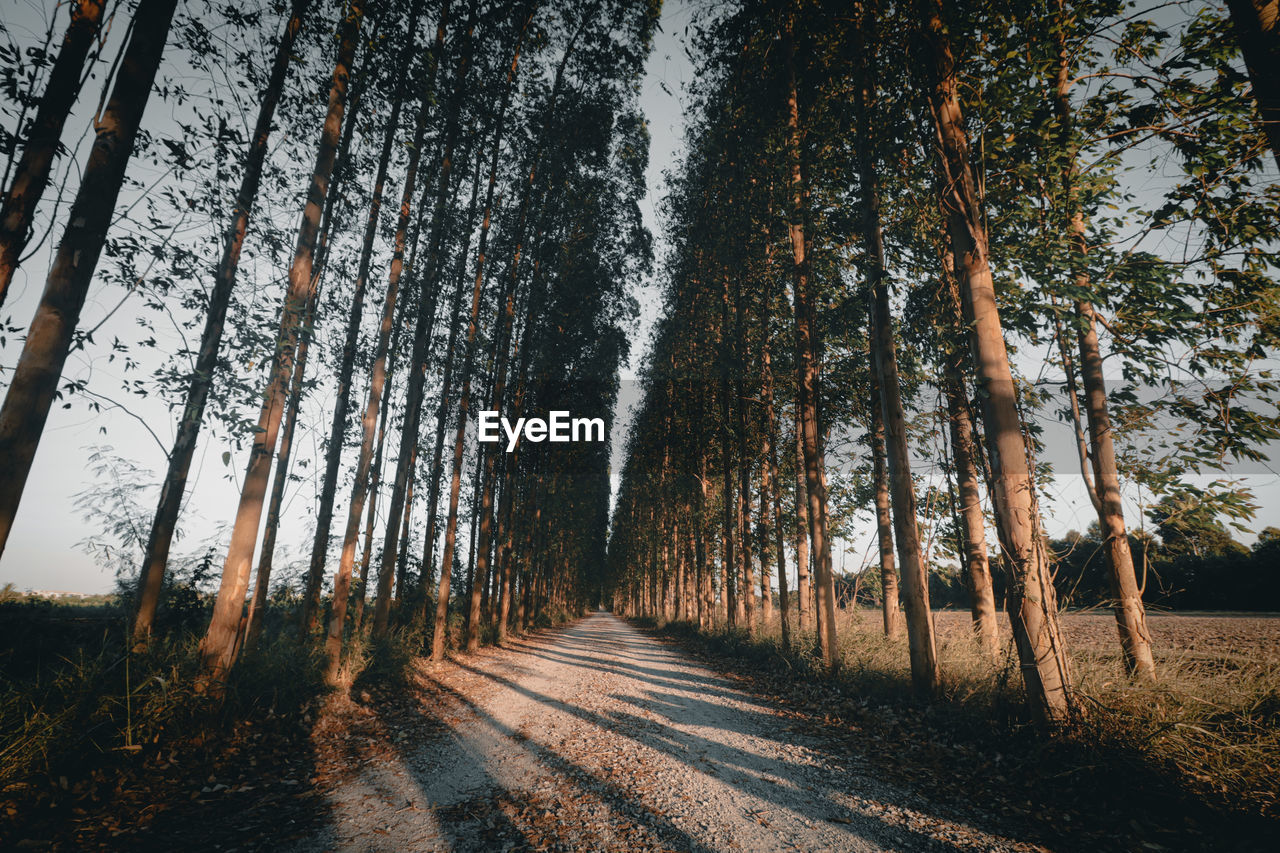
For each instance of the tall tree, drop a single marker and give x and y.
(34, 383)
(1032, 601)
(18, 209)
(156, 555)
(217, 648)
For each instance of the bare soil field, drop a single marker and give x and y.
(1224, 639)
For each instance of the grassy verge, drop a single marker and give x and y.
(1173, 765)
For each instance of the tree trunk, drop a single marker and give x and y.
(748, 593)
(446, 387)
(925, 675)
(772, 482)
(973, 535)
(421, 338)
(804, 588)
(1257, 26)
(156, 556)
(1033, 610)
(338, 427)
(807, 365)
(372, 484)
(218, 646)
(729, 527)
(30, 179)
(1131, 617)
(889, 605)
(34, 382)
(266, 554)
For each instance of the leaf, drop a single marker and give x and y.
(226, 457)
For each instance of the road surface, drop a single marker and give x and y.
(599, 737)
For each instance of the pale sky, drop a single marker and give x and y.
(42, 552)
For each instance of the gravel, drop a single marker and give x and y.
(599, 737)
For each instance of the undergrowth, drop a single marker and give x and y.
(1211, 728)
(76, 697)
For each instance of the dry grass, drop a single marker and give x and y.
(1211, 724)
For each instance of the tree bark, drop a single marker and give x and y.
(1257, 26)
(156, 557)
(346, 369)
(889, 604)
(31, 177)
(973, 535)
(34, 382)
(1032, 602)
(807, 365)
(218, 646)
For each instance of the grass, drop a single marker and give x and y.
(76, 698)
(1210, 727)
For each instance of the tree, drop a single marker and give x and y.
(34, 384)
(32, 174)
(217, 648)
(156, 555)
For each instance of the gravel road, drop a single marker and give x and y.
(600, 737)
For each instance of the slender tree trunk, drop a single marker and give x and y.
(34, 382)
(766, 577)
(925, 674)
(748, 593)
(807, 363)
(1131, 617)
(156, 557)
(706, 600)
(372, 483)
(772, 482)
(18, 209)
(421, 338)
(1257, 26)
(266, 556)
(973, 536)
(884, 521)
(446, 387)
(729, 527)
(804, 588)
(1033, 609)
(342, 402)
(218, 646)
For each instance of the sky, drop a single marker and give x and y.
(44, 550)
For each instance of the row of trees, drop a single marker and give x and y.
(887, 213)
(509, 136)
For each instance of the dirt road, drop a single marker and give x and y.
(599, 737)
